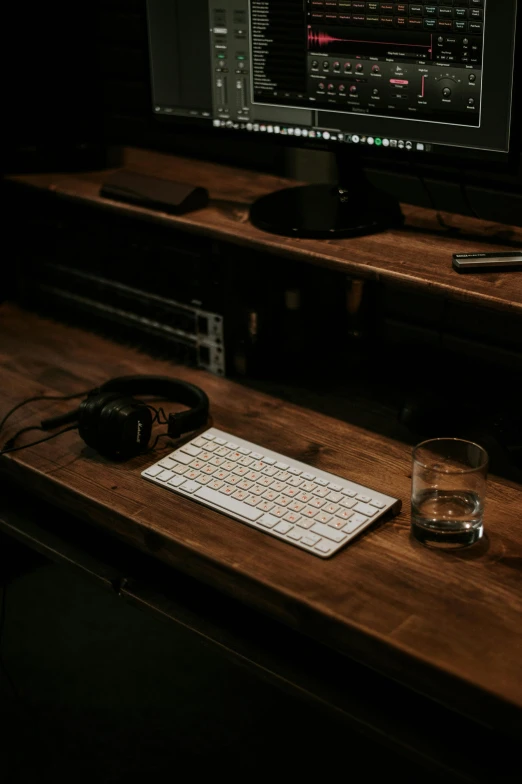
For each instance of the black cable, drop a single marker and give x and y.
(40, 397)
(153, 447)
(467, 200)
(35, 443)
(440, 219)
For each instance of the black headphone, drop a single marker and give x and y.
(118, 426)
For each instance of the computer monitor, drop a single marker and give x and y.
(403, 80)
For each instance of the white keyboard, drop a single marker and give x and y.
(311, 509)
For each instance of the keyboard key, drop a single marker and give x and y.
(270, 471)
(231, 445)
(283, 500)
(269, 461)
(335, 488)
(323, 547)
(176, 481)
(166, 463)
(349, 493)
(365, 509)
(378, 504)
(227, 489)
(192, 474)
(180, 469)
(282, 466)
(328, 532)
(283, 528)
(295, 506)
(252, 500)
(336, 523)
(322, 517)
(321, 482)
(232, 479)
(244, 484)
(208, 469)
(294, 471)
(282, 476)
(243, 450)
(311, 539)
(165, 476)
(245, 461)
(222, 451)
(348, 503)
(308, 487)
(266, 481)
(317, 502)
(252, 475)
(292, 517)
(279, 511)
(201, 442)
(268, 520)
(210, 446)
(309, 511)
(215, 484)
(191, 450)
(344, 514)
(279, 487)
(308, 477)
(355, 521)
(154, 470)
(190, 487)
(182, 457)
(295, 534)
(266, 506)
(257, 455)
(334, 497)
(220, 441)
(207, 437)
(240, 495)
(322, 492)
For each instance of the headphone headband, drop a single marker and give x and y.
(170, 389)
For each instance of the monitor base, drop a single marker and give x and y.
(326, 211)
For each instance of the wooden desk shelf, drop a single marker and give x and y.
(443, 624)
(418, 257)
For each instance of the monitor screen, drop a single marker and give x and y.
(402, 77)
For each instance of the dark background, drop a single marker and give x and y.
(78, 81)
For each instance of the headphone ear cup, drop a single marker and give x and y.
(89, 414)
(115, 425)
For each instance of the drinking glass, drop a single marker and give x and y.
(448, 492)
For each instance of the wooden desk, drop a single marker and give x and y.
(446, 625)
(419, 257)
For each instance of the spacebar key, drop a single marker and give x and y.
(228, 504)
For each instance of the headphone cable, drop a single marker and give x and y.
(37, 398)
(33, 443)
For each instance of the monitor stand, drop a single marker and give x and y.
(351, 208)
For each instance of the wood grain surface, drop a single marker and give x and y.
(446, 624)
(418, 256)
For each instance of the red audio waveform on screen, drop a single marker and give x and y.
(322, 39)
